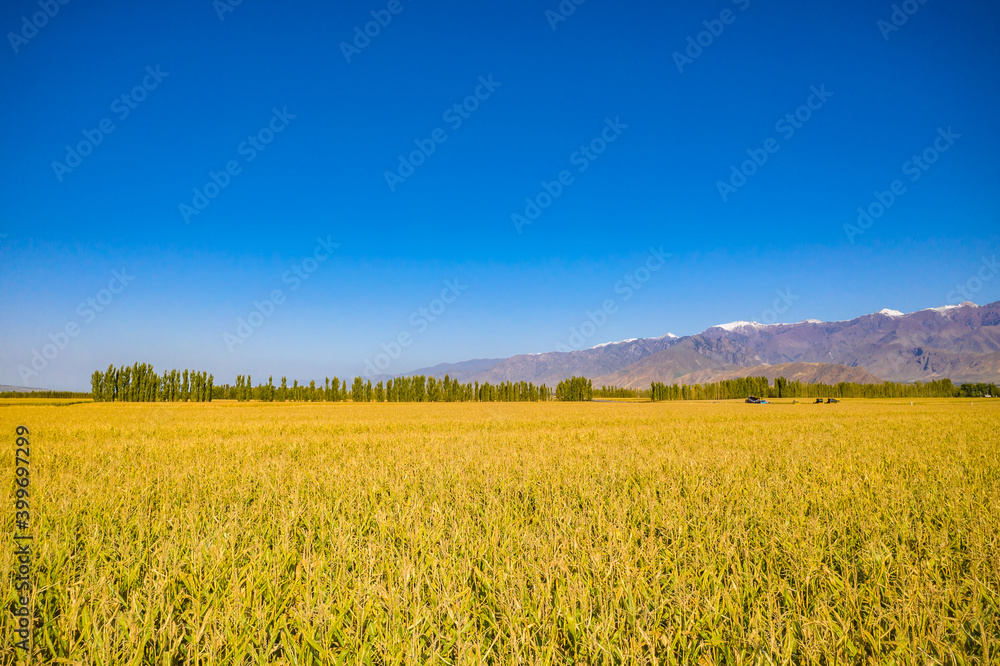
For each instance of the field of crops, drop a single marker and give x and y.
(231, 533)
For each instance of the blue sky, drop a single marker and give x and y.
(645, 141)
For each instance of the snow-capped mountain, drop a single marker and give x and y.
(960, 342)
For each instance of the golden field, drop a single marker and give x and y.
(465, 533)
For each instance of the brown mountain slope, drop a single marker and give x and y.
(807, 373)
(553, 367)
(664, 366)
(959, 342)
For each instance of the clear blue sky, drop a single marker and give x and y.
(197, 87)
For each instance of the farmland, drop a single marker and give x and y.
(677, 532)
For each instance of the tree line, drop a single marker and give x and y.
(979, 391)
(416, 388)
(782, 388)
(618, 392)
(575, 389)
(44, 394)
(140, 383)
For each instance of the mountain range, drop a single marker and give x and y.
(959, 342)
(4, 388)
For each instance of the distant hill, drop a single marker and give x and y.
(463, 371)
(18, 389)
(959, 342)
(667, 366)
(553, 367)
(807, 373)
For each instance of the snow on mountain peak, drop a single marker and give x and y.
(946, 308)
(621, 342)
(605, 344)
(940, 310)
(733, 325)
